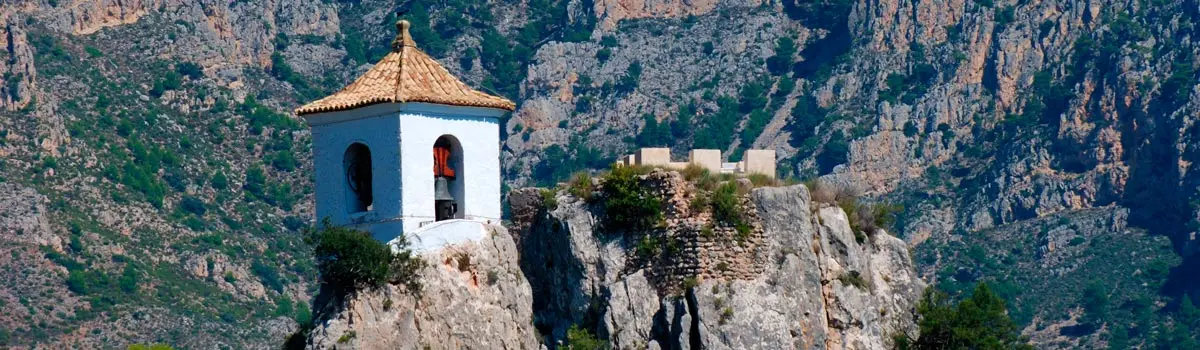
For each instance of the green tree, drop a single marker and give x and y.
(836, 152)
(785, 48)
(654, 134)
(349, 260)
(579, 338)
(628, 204)
(806, 116)
(979, 322)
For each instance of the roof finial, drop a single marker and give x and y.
(403, 38)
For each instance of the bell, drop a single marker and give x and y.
(441, 189)
(444, 204)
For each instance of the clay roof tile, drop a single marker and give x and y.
(406, 74)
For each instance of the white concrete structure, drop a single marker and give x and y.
(374, 151)
(754, 161)
(400, 138)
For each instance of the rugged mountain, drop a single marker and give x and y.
(473, 295)
(148, 153)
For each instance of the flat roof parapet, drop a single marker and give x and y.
(760, 161)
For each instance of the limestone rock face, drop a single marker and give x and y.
(17, 66)
(474, 296)
(797, 295)
(612, 11)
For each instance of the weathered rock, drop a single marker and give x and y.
(583, 275)
(473, 296)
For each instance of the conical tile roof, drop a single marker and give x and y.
(406, 74)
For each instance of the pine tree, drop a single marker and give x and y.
(979, 322)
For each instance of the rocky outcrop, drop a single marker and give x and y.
(612, 11)
(17, 67)
(808, 284)
(23, 218)
(473, 296)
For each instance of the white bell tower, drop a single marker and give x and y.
(408, 149)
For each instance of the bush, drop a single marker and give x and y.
(853, 278)
(580, 186)
(836, 152)
(822, 192)
(727, 204)
(762, 180)
(603, 54)
(647, 247)
(779, 64)
(268, 275)
(627, 204)
(979, 322)
(190, 70)
(579, 338)
(349, 260)
(549, 199)
(193, 205)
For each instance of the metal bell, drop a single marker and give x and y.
(441, 189)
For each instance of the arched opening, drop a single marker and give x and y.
(448, 194)
(356, 164)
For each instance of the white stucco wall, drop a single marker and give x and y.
(381, 134)
(400, 138)
(478, 132)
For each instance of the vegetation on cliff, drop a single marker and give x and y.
(349, 260)
(977, 322)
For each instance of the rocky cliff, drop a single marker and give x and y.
(802, 280)
(473, 296)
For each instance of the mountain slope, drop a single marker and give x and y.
(152, 155)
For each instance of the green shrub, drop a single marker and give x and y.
(580, 186)
(853, 278)
(700, 201)
(603, 54)
(579, 338)
(284, 161)
(303, 315)
(285, 307)
(727, 204)
(979, 322)
(910, 129)
(268, 275)
(190, 70)
(836, 152)
(346, 337)
(690, 282)
(762, 180)
(726, 315)
(549, 199)
(349, 260)
(647, 247)
(627, 204)
(694, 172)
(193, 205)
(781, 63)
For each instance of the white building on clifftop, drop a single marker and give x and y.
(408, 149)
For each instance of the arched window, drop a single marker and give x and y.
(448, 173)
(357, 166)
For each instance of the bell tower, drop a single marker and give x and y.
(408, 149)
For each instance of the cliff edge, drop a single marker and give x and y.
(798, 277)
(474, 296)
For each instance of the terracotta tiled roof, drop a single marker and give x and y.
(406, 74)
